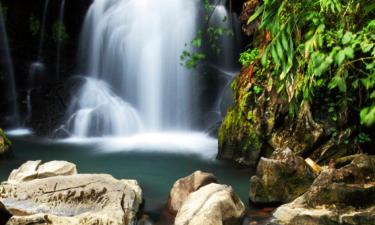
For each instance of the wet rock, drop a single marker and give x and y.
(282, 178)
(211, 205)
(36, 170)
(184, 186)
(300, 135)
(79, 199)
(248, 125)
(5, 144)
(337, 196)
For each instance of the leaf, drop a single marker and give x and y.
(256, 14)
(366, 47)
(348, 36)
(349, 52)
(340, 57)
(339, 82)
(367, 116)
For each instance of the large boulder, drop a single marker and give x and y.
(5, 144)
(337, 196)
(35, 169)
(78, 199)
(186, 185)
(280, 179)
(212, 204)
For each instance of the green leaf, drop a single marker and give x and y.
(366, 47)
(349, 52)
(257, 12)
(340, 57)
(348, 36)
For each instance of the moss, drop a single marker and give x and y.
(238, 137)
(6, 140)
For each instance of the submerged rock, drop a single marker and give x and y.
(77, 199)
(5, 144)
(35, 169)
(212, 204)
(280, 179)
(337, 196)
(184, 186)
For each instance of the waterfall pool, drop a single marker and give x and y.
(155, 166)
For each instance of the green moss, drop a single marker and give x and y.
(7, 141)
(238, 137)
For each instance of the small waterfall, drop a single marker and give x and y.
(42, 31)
(36, 67)
(8, 69)
(59, 41)
(99, 112)
(134, 46)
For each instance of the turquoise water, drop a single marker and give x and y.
(155, 171)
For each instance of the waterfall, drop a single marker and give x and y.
(36, 67)
(130, 51)
(59, 41)
(8, 69)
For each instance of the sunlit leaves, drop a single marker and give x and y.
(320, 45)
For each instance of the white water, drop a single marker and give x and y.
(6, 60)
(134, 47)
(175, 143)
(59, 42)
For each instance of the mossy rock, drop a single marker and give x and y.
(238, 139)
(5, 144)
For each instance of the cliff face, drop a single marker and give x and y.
(49, 92)
(260, 121)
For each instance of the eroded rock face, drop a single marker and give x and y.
(184, 186)
(212, 204)
(35, 170)
(78, 199)
(282, 178)
(337, 196)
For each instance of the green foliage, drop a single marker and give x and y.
(250, 56)
(318, 46)
(59, 32)
(34, 25)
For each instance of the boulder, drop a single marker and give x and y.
(337, 196)
(78, 199)
(5, 144)
(184, 186)
(280, 179)
(212, 204)
(36, 170)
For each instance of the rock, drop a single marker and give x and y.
(212, 204)
(337, 196)
(5, 144)
(301, 135)
(282, 178)
(77, 199)
(184, 186)
(36, 170)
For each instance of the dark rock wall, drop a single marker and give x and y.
(50, 92)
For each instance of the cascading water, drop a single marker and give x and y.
(36, 67)
(8, 69)
(130, 50)
(59, 41)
